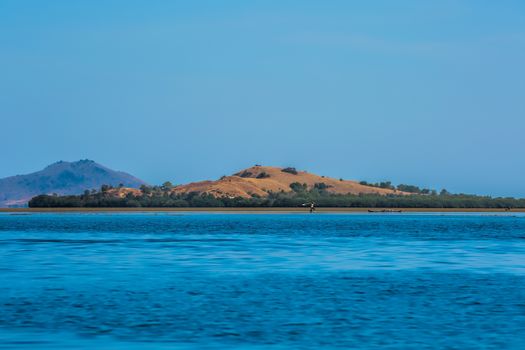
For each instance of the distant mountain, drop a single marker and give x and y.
(61, 178)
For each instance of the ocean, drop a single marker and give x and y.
(262, 281)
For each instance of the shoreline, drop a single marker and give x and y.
(257, 210)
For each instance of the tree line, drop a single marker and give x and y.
(163, 196)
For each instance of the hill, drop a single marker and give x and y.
(261, 180)
(63, 178)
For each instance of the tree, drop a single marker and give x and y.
(167, 185)
(145, 189)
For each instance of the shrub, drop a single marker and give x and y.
(298, 187)
(386, 184)
(409, 188)
(263, 175)
(321, 186)
(383, 184)
(289, 170)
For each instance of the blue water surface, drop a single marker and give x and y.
(262, 281)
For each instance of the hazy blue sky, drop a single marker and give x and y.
(423, 92)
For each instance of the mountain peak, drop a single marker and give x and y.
(62, 178)
(63, 162)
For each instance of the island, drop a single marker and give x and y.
(274, 187)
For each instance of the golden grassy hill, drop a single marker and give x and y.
(260, 180)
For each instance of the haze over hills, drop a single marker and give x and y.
(62, 178)
(260, 180)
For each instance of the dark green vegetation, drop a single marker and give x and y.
(401, 187)
(290, 170)
(162, 196)
(245, 173)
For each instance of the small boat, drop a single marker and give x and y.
(385, 211)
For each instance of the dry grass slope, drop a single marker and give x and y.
(252, 181)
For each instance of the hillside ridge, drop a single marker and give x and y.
(260, 180)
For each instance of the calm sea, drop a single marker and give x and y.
(262, 281)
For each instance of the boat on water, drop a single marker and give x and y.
(385, 211)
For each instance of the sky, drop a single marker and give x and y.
(430, 93)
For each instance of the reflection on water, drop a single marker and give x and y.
(260, 281)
